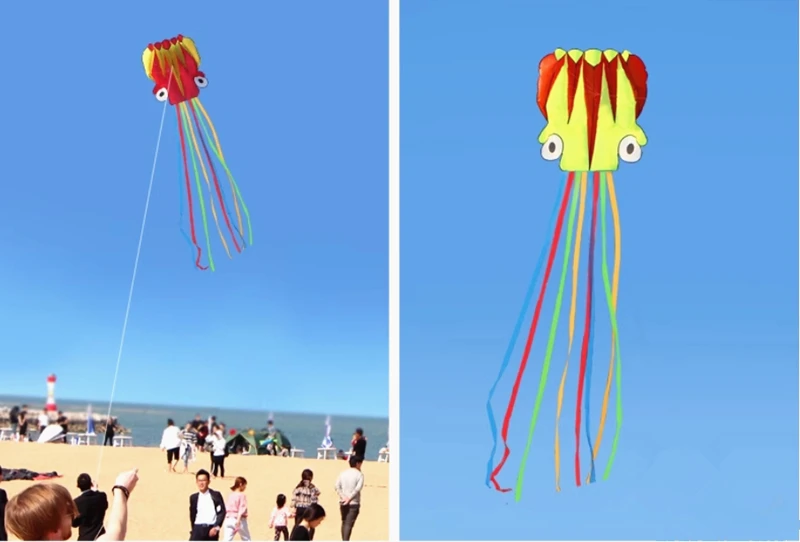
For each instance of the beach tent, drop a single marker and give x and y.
(242, 442)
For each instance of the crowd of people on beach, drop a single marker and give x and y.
(49, 512)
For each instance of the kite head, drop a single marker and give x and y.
(174, 66)
(591, 101)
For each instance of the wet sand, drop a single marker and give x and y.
(159, 507)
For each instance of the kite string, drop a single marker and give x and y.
(515, 336)
(612, 196)
(574, 298)
(133, 276)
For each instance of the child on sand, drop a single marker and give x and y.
(279, 520)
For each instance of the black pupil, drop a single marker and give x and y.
(629, 148)
(551, 147)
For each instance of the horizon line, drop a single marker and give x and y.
(199, 407)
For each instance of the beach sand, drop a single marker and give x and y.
(159, 506)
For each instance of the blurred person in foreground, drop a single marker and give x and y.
(91, 505)
(46, 511)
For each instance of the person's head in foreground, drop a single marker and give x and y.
(359, 432)
(41, 512)
(313, 516)
(201, 479)
(281, 500)
(188, 426)
(170, 422)
(240, 484)
(356, 462)
(84, 482)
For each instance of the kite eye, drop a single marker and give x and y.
(552, 148)
(629, 150)
(162, 95)
(201, 81)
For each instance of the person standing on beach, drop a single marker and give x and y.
(188, 444)
(196, 422)
(304, 495)
(44, 420)
(236, 512)
(348, 487)
(279, 519)
(13, 421)
(171, 443)
(46, 511)
(3, 503)
(63, 421)
(91, 505)
(359, 444)
(23, 427)
(218, 451)
(111, 425)
(206, 509)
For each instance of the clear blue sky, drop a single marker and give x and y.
(708, 292)
(298, 93)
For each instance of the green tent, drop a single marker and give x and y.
(242, 442)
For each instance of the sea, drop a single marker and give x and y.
(305, 431)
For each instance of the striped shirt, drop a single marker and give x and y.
(304, 496)
(189, 437)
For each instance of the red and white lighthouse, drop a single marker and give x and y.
(50, 406)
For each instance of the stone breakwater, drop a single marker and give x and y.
(76, 420)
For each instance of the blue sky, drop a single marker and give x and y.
(298, 93)
(708, 292)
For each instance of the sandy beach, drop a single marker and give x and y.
(159, 507)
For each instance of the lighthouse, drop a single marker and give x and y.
(50, 406)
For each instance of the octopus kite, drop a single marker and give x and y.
(591, 101)
(174, 66)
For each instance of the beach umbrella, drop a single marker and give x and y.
(89, 421)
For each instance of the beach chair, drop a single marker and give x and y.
(326, 453)
(6, 433)
(85, 439)
(122, 441)
(383, 456)
(297, 452)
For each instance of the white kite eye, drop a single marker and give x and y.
(629, 150)
(161, 95)
(201, 81)
(552, 148)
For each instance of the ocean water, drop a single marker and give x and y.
(306, 431)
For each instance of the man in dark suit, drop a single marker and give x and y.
(206, 510)
(92, 506)
(3, 502)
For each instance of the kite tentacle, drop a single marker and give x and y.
(613, 303)
(550, 341)
(573, 301)
(612, 196)
(198, 159)
(232, 181)
(587, 331)
(217, 188)
(590, 357)
(490, 478)
(532, 331)
(193, 233)
(548, 356)
(182, 194)
(198, 185)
